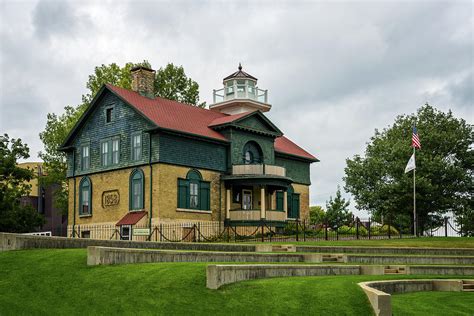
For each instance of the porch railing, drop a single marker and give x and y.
(259, 169)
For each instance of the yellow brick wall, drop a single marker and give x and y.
(113, 180)
(303, 190)
(166, 201)
(165, 195)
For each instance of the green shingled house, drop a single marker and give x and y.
(139, 160)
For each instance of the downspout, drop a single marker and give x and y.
(151, 179)
(74, 177)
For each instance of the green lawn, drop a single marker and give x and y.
(449, 242)
(437, 303)
(59, 282)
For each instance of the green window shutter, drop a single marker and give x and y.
(279, 200)
(204, 196)
(295, 206)
(183, 193)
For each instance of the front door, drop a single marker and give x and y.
(246, 199)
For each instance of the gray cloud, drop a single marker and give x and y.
(334, 71)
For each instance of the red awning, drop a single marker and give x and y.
(131, 218)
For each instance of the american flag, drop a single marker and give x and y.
(415, 140)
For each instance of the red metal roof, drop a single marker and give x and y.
(173, 115)
(191, 119)
(131, 218)
(227, 119)
(284, 145)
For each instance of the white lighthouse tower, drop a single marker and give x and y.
(240, 94)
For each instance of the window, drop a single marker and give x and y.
(246, 199)
(137, 147)
(85, 157)
(86, 234)
(115, 151)
(105, 153)
(193, 193)
(110, 152)
(108, 115)
(252, 154)
(85, 196)
(125, 232)
(136, 189)
(229, 87)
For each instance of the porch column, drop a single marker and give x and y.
(227, 203)
(285, 204)
(262, 203)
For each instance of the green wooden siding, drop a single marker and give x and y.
(126, 121)
(240, 138)
(295, 169)
(256, 123)
(191, 152)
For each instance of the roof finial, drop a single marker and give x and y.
(240, 66)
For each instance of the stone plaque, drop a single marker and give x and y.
(110, 198)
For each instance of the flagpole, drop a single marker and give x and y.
(414, 197)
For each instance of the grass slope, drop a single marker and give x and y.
(58, 282)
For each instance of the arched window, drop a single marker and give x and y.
(85, 196)
(193, 192)
(252, 153)
(136, 189)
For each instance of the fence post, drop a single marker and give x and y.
(445, 226)
(368, 228)
(389, 222)
(263, 227)
(326, 231)
(337, 233)
(199, 231)
(297, 232)
(304, 230)
(228, 233)
(357, 228)
(235, 233)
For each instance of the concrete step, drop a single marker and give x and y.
(330, 259)
(390, 271)
(468, 281)
(468, 286)
(468, 290)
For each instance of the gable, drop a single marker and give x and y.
(256, 123)
(251, 121)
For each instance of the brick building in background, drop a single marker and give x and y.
(41, 198)
(139, 160)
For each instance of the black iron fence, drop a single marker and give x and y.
(262, 232)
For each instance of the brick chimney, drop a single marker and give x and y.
(143, 81)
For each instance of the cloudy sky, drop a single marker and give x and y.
(335, 71)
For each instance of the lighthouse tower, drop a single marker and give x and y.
(240, 94)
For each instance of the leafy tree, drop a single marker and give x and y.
(317, 215)
(337, 213)
(15, 217)
(444, 174)
(170, 82)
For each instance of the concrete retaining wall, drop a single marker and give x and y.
(378, 292)
(218, 275)
(440, 270)
(17, 241)
(389, 250)
(401, 259)
(108, 255)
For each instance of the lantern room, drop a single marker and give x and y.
(240, 94)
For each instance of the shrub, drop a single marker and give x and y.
(383, 230)
(346, 230)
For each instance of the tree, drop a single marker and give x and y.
(15, 217)
(170, 82)
(317, 215)
(337, 213)
(444, 168)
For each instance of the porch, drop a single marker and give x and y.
(258, 194)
